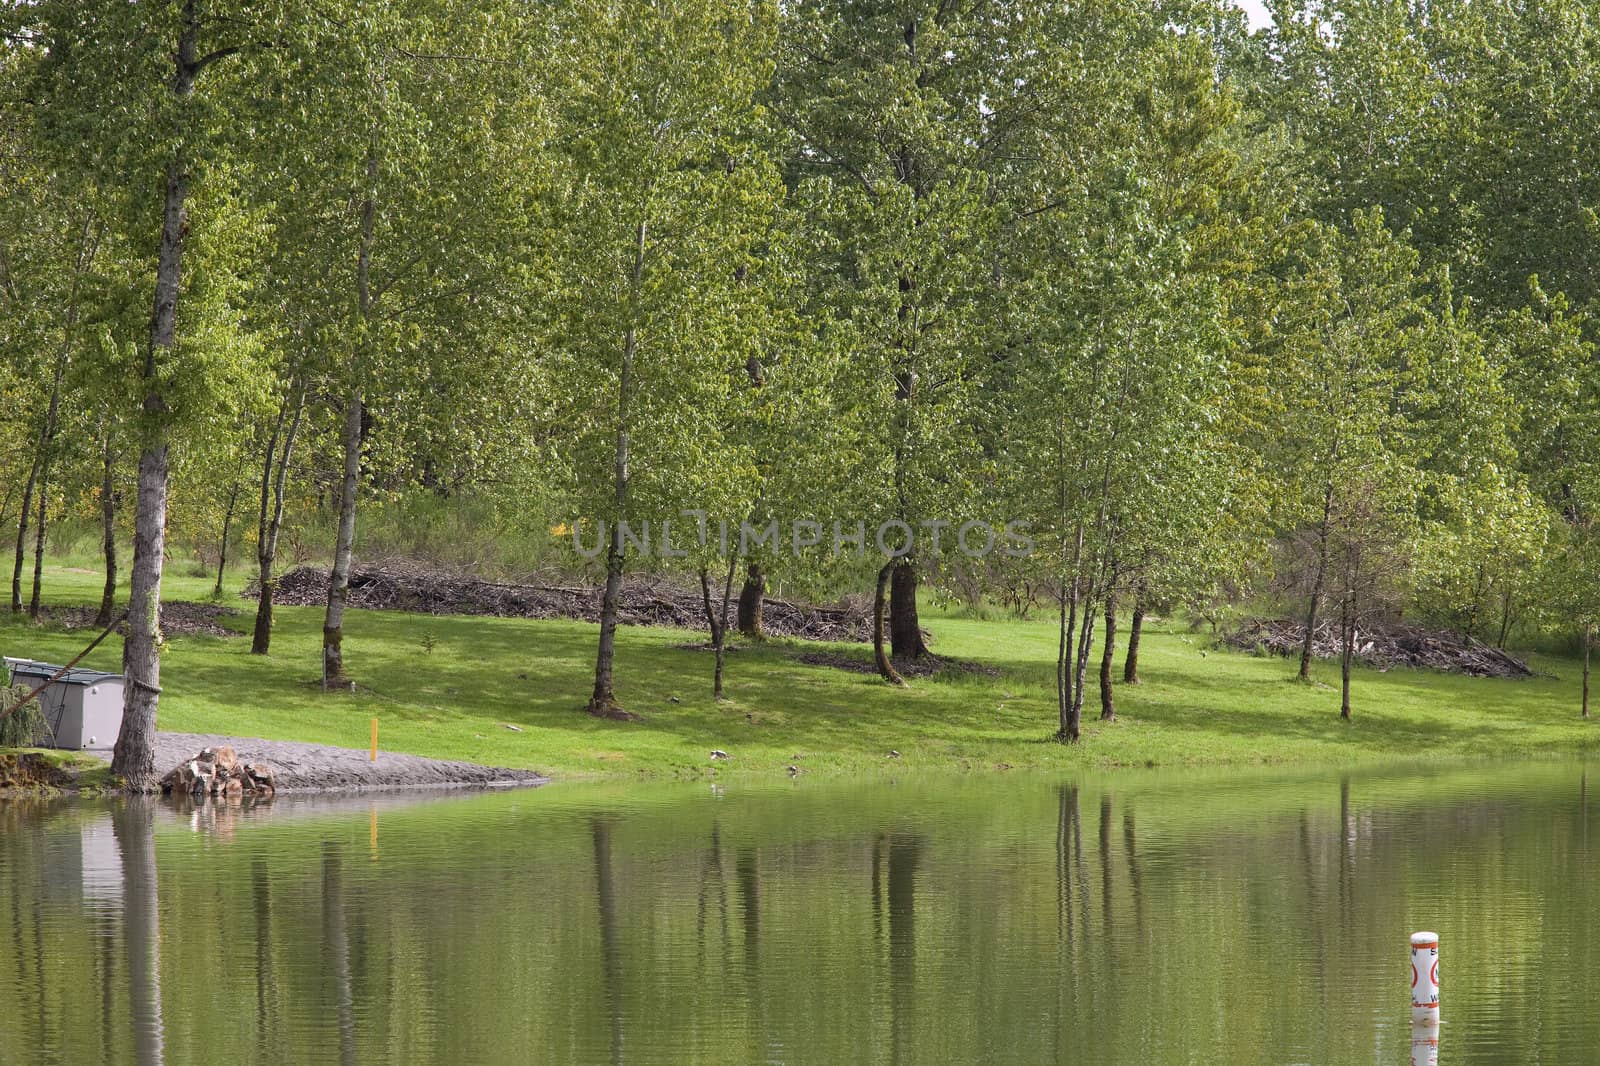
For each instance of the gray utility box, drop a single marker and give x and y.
(84, 708)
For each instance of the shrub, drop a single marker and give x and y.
(23, 727)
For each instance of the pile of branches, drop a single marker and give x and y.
(1383, 645)
(218, 772)
(645, 601)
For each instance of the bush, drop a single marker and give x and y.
(24, 727)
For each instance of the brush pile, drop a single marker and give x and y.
(645, 601)
(218, 772)
(1383, 645)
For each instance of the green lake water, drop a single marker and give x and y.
(1146, 918)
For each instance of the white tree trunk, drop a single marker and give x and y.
(134, 759)
(344, 545)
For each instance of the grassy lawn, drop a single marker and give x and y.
(1198, 705)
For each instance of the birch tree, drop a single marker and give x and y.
(651, 327)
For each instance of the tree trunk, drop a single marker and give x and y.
(38, 547)
(1347, 634)
(333, 664)
(722, 629)
(222, 549)
(750, 597)
(108, 532)
(22, 535)
(905, 632)
(1316, 584)
(1108, 654)
(603, 701)
(1069, 700)
(134, 759)
(1588, 645)
(261, 635)
(886, 669)
(1085, 645)
(5, 504)
(707, 607)
(1068, 727)
(269, 520)
(717, 621)
(1130, 668)
(39, 471)
(1505, 619)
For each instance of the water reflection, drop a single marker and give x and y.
(904, 854)
(1424, 1045)
(920, 923)
(133, 821)
(748, 875)
(610, 938)
(264, 967)
(336, 949)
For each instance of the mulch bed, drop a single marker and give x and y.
(1383, 646)
(645, 601)
(178, 618)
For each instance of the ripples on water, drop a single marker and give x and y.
(1147, 919)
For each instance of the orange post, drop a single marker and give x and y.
(374, 740)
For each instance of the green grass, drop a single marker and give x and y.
(83, 773)
(1198, 706)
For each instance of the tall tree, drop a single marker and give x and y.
(900, 113)
(668, 196)
(136, 90)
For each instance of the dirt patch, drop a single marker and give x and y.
(27, 771)
(925, 667)
(1383, 646)
(302, 767)
(645, 601)
(179, 618)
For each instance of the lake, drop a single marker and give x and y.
(1147, 917)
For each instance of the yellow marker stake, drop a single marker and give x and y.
(374, 740)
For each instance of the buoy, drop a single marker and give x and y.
(1425, 978)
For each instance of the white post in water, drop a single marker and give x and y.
(1425, 978)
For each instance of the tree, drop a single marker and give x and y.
(899, 113)
(668, 196)
(1122, 360)
(1371, 520)
(393, 203)
(131, 90)
(1340, 367)
(278, 455)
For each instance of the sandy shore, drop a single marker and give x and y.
(301, 767)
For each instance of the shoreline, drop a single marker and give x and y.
(299, 768)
